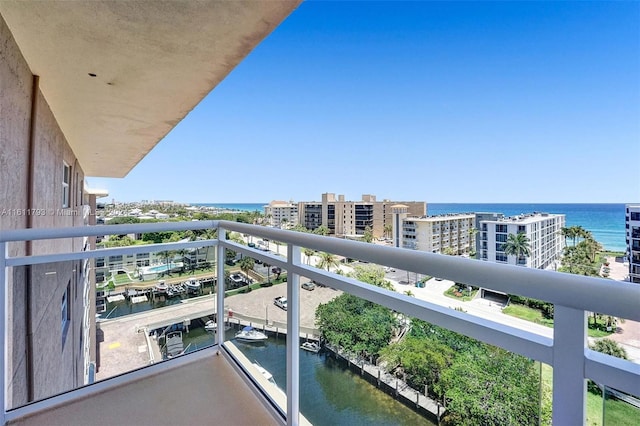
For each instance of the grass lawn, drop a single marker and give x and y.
(453, 293)
(535, 315)
(527, 313)
(120, 279)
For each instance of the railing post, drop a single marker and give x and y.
(220, 257)
(4, 297)
(569, 384)
(293, 338)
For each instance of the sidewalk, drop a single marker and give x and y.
(628, 334)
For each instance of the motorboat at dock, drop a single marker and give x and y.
(250, 334)
(311, 347)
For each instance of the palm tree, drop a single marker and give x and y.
(283, 223)
(388, 229)
(328, 260)
(246, 264)
(517, 245)
(266, 265)
(472, 239)
(591, 246)
(566, 233)
(308, 252)
(166, 255)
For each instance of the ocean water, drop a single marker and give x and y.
(604, 221)
(246, 207)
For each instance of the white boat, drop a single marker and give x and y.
(250, 334)
(161, 287)
(193, 286)
(211, 326)
(311, 347)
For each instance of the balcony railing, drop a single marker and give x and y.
(572, 295)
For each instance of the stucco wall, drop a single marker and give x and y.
(57, 362)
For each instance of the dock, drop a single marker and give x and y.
(391, 385)
(124, 344)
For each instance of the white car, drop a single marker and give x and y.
(236, 278)
(280, 302)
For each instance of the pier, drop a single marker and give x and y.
(391, 385)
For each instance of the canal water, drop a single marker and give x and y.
(330, 393)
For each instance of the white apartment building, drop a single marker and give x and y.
(437, 233)
(281, 214)
(632, 228)
(542, 229)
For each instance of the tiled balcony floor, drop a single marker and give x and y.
(207, 390)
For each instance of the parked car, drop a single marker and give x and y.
(236, 278)
(309, 285)
(280, 302)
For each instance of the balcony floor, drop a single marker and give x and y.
(203, 391)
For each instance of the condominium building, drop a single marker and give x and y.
(281, 214)
(351, 218)
(439, 234)
(632, 228)
(542, 229)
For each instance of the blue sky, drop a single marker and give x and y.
(433, 101)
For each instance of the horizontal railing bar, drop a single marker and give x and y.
(575, 291)
(613, 372)
(516, 340)
(108, 384)
(112, 251)
(100, 230)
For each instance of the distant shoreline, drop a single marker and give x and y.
(605, 221)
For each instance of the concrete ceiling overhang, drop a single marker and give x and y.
(153, 62)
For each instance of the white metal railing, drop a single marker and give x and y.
(573, 296)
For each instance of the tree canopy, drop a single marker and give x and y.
(517, 245)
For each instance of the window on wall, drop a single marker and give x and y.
(79, 190)
(65, 311)
(66, 177)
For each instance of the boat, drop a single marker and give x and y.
(250, 334)
(211, 326)
(193, 286)
(173, 344)
(311, 347)
(161, 287)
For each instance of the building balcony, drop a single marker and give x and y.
(218, 383)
